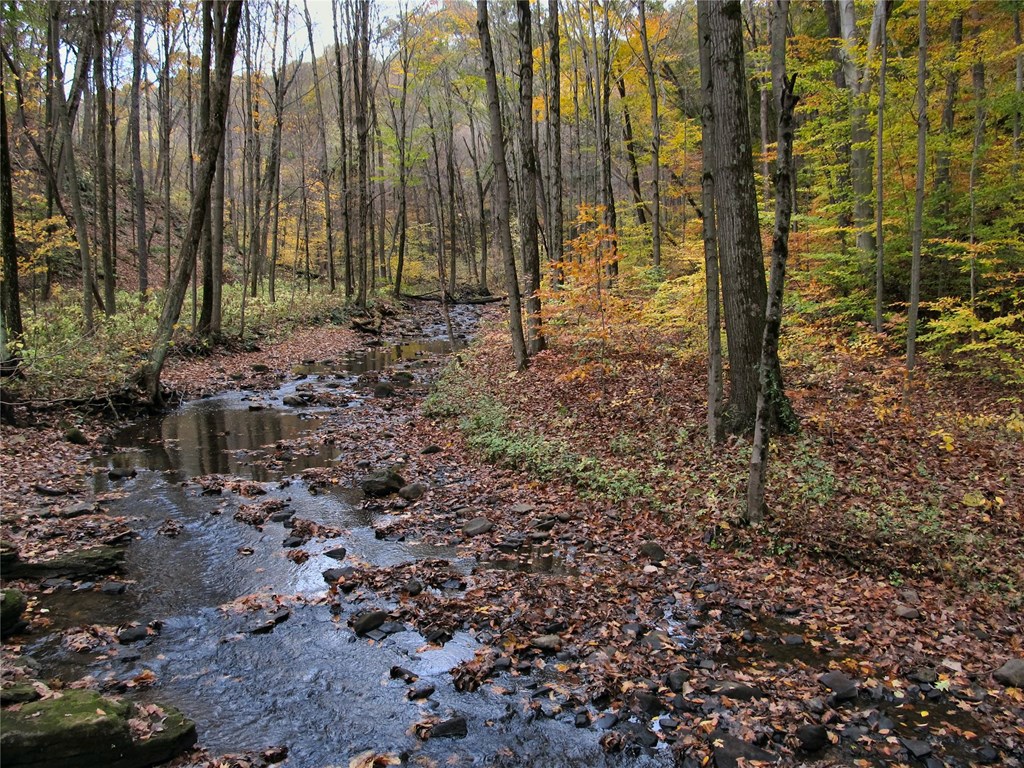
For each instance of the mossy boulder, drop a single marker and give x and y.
(83, 729)
(78, 564)
(12, 605)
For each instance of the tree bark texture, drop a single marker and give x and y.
(209, 146)
(502, 192)
(739, 239)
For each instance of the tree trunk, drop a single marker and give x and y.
(879, 188)
(165, 133)
(325, 171)
(528, 210)
(10, 299)
(630, 143)
(1018, 87)
(710, 232)
(922, 140)
(272, 175)
(978, 85)
(739, 238)
(501, 187)
(343, 157)
(204, 325)
(134, 129)
(780, 252)
(556, 225)
(209, 147)
(400, 121)
(360, 83)
(103, 213)
(652, 93)
(71, 173)
(943, 154)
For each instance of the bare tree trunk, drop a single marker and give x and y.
(10, 298)
(272, 175)
(630, 142)
(1018, 84)
(780, 253)
(859, 82)
(453, 224)
(652, 92)
(209, 147)
(346, 216)
(71, 173)
(744, 292)
(136, 141)
(165, 133)
(481, 193)
(400, 121)
(103, 212)
(710, 232)
(978, 84)
(528, 211)
(325, 171)
(943, 153)
(501, 187)
(922, 141)
(879, 188)
(556, 225)
(360, 84)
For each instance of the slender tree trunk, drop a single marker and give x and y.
(165, 133)
(978, 84)
(780, 253)
(209, 147)
(272, 175)
(325, 171)
(528, 212)
(943, 153)
(71, 175)
(879, 187)
(630, 143)
(103, 213)
(556, 226)
(652, 93)
(501, 186)
(134, 128)
(10, 298)
(400, 120)
(204, 324)
(360, 83)
(453, 224)
(346, 216)
(922, 140)
(1018, 84)
(710, 232)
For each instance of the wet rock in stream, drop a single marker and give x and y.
(381, 483)
(366, 622)
(78, 564)
(82, 729)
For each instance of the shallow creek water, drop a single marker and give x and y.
(310, 683)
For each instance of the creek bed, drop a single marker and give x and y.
(308, 682)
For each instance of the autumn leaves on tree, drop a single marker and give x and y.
(555, 150)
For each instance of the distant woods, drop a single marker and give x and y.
(556, 152)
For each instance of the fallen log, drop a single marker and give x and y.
(471, 300)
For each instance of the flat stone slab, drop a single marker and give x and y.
(82, 729)
(80, 564)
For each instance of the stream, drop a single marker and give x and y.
(308, 682)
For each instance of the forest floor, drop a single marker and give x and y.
(861, 625)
